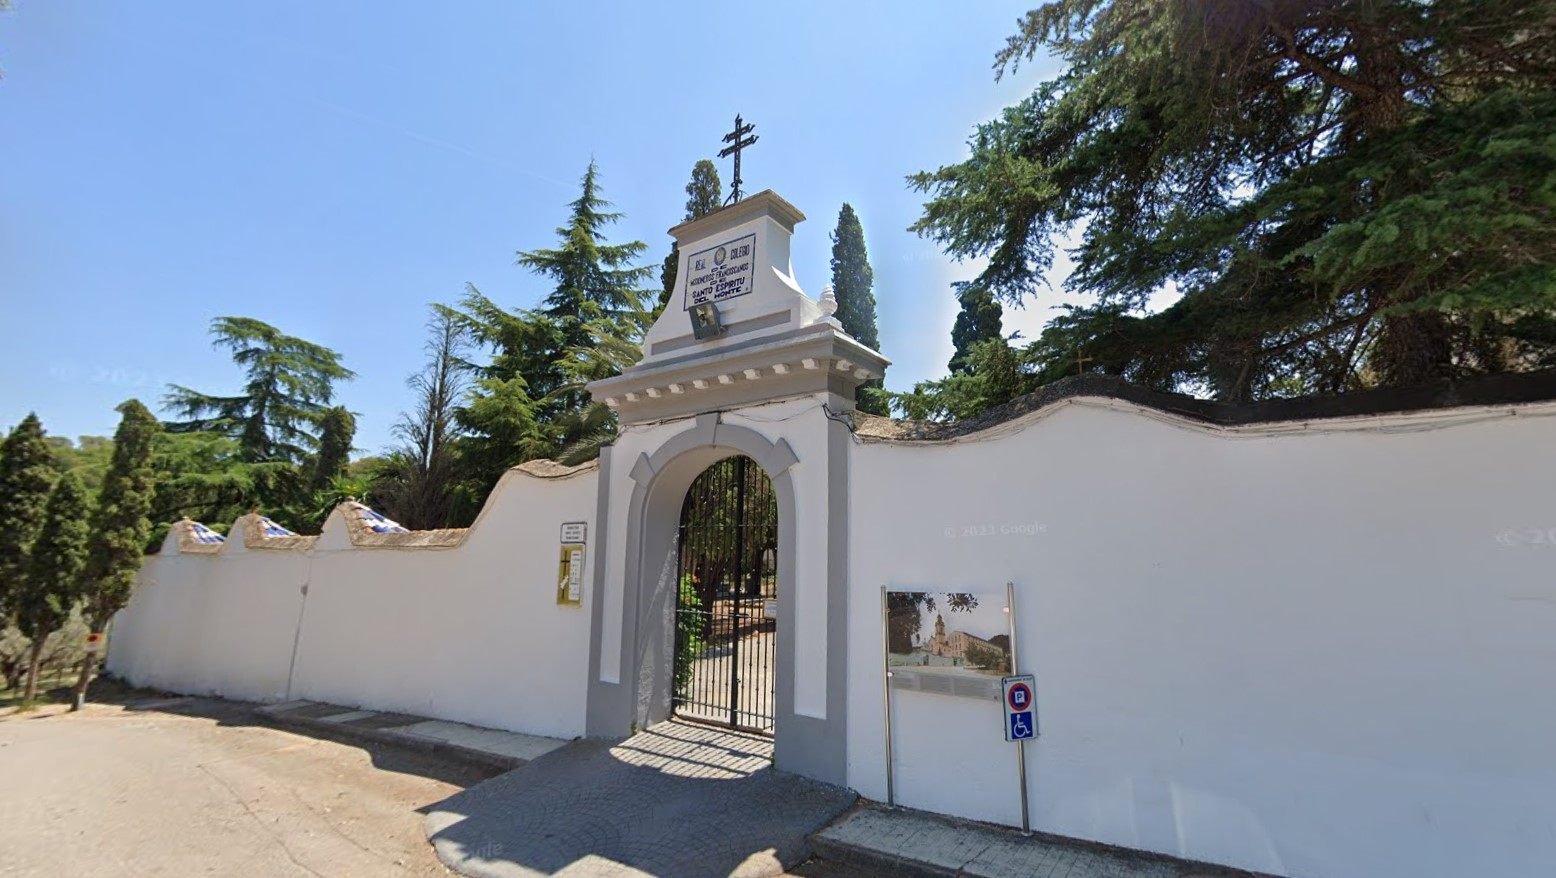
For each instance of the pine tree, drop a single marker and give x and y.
(119, 525)
(26, 475)
(289, 386)
(1345, 195)
(981, 319)
(704, 195)
(852, 282)
(526, 402)
(276, 421)
(51, 582)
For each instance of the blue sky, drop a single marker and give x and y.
(334, 168)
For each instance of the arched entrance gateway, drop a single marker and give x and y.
(721, 583)
(726, 608)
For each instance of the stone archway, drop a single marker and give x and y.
(660, 481)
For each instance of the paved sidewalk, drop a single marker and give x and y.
(503, 750)
(679, 800)
(913, 844)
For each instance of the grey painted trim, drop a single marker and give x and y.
(602, 508)
(805, 745)
(808, 746)
(767, 321)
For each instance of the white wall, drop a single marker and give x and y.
(1307, 653)
(211, 625)
(471, 633)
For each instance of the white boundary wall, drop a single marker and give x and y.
(470, 633)
(1316, 650)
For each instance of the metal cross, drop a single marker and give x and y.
(1080, 362)
(737, 141)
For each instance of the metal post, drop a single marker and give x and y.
(1021, 746)
(891, 798)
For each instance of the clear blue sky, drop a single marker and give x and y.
(333, 168)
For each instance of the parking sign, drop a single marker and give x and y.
(1020, 702)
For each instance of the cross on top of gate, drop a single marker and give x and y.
(737, 141)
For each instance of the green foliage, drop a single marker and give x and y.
(26, 475)
(336, 430)
(274, 429)
(289, 384)
(1345, 195)
(51, 582)
(853, 283)
(691, 623)
(87, 457)
(120, 521)
(994, 373)
(853, 280)
(203, 476)
(981, 319)
(529, 401)
(704, 195)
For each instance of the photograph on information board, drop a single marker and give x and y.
(953, 643)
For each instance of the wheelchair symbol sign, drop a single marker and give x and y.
(1021, 726)
(1019, 707)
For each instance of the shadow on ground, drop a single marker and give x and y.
(384, 755)
(678, 799)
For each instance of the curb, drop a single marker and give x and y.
(871, 860)
(431, 746)
(876, 860)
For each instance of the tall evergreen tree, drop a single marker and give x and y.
(1345, 194)
(853, 283)
(26, 475)
(289, 386)
(981, 319)
(120, 526)
(526, 402)
(336, 430)
(51, 582)
(704, 195)
(277, 420)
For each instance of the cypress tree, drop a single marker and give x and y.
(981, 319)
(120, 526)
(852, 282)
(336, 430)
(704, 195)
(52, 575)
(26, 474)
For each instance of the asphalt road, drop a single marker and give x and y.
(195, 788)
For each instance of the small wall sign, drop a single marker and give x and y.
(569, 585)
(575, 532)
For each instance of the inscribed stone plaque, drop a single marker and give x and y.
(721, 272)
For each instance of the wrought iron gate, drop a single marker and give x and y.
(725, 615)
